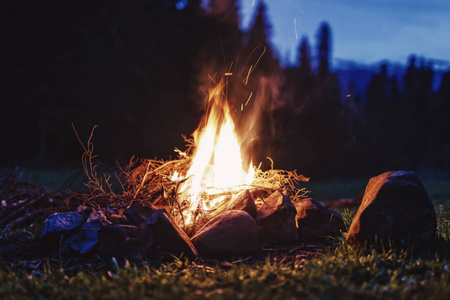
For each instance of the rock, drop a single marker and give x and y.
(97, 218)
(56, 225)
(138, 213)
(276, 220)
(121, 241)
(85, 211)
(243, 201)
(315, 222)
(85, 240)
(396, 210)
(58, 222)
(169, 237)
(233, 232)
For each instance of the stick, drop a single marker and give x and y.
(19, 211)
(140, 186)
(17, 222)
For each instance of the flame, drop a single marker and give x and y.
(217, 164)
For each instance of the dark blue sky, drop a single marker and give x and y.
(366, 31)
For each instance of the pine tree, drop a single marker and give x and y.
(305, 58)
(324, 49)
(419, 97)
(325, 109)
(377, 98)
(304, 85)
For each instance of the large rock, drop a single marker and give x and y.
(121, 241)
(395, 209)
(243, 201)
(233, 232)
(58, 224)
(315, 222)
(276, 220)
(86, 239)
(169, 237)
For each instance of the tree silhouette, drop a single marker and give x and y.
(258, 44)
(305, 67)
(324, 49)
(376, 100)
(306, 80)
(136, 67)
(319, 127)
(419, 97)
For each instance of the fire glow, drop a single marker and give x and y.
(217, 164)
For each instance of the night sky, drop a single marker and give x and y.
(363, 31)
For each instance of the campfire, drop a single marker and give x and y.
(202, 181)
(216, 167)
(210, 200)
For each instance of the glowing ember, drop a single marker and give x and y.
(217, 163)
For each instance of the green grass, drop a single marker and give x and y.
(338, 273)
(57, 178)
(438, 189)
(335, 189)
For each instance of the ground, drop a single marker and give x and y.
(307, 271)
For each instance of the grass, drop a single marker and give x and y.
(335, 189)
(56, 178)
(338, 273)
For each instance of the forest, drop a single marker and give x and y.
(140, 70)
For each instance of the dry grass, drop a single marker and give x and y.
(150, 181)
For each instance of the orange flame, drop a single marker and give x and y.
(217, 162)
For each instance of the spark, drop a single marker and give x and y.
(295, 27)
(248, 100)
(252, 67)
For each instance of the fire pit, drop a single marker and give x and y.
(212, 192)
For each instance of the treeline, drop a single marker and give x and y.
(141, 70)
(397, 125)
